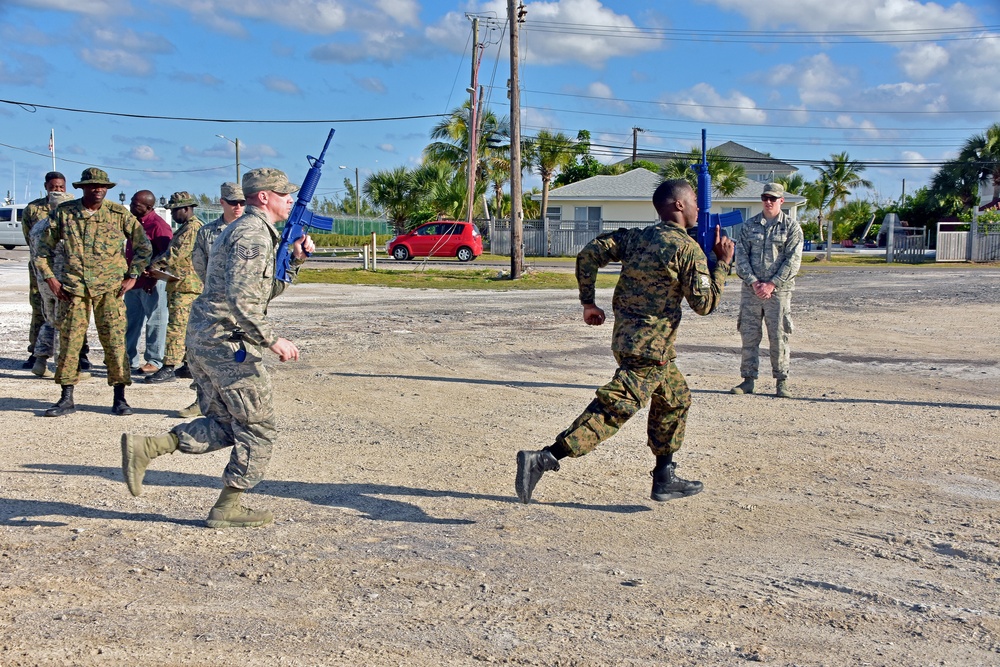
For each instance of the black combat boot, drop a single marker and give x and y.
(530, 467)
(164, 374)
(85, 364)
(120, 407)
(183, 371)
(30, 362)
(668, 486)
(65, 406)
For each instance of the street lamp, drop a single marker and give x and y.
(236, 143)
(357, 193)
(121, 197)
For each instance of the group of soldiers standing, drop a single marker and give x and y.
(89, 253)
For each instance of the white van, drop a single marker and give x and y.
(10, 226)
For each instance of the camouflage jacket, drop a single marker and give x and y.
(58, 260)
(770, 252)
(94, 246)
(178, 260)
(203, 246)
(661, 265)
(239, 284)
(33, 212)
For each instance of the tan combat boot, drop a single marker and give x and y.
(138, 451)
(745, 387)
(190, 411)
(781, 389)
(41, 367)
(228, 513)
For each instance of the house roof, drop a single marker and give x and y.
(635, 185)
(639, 184)
(748, 158)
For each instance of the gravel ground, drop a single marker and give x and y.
(853, 525)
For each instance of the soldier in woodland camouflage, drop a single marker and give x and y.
(770, 252)
(182, 292)
(661, 266)
(227, 335)
(97, 275)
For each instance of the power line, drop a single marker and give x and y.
(31, 108)
(102, 166)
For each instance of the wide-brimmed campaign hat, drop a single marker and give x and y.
(94, 176)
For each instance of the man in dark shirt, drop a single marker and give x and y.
(146, 303)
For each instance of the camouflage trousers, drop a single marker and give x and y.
(776, 313)
(238, 411)
(109, 316)
(47, 340)
(179, 307)
(636, 382)
(37, 317)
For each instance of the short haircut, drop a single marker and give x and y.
(670, 191)
(53, 175)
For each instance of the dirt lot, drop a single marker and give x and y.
(854, 525)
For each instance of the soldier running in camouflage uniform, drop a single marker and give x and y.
(227, 335)
(233, 204)
(770, 252)
(661, 266)
(182, 292)
(96, 277)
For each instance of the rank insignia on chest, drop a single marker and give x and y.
(248, 253)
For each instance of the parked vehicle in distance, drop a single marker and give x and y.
(441, 238)
(10, 226)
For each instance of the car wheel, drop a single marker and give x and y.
(464, 254)
(400, 252)
(8, 247)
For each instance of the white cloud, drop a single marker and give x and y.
(22, 69)
(370, 83)
(549, 48)
(857, 128)
(278, 84)
(870, 15)
(311, 16)
(386, 148)
(143, 153)
(403, 12)
(817, 80)
(204, 79)
(92, 7)
(116, 61)
(922, 61)
(130, 40)
(384, 46)
(702, 102)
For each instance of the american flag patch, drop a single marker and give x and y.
(253, 252)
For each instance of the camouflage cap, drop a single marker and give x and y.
(181, 199)
(232, 192)
(94, 176)
(267, 180)
(773, 190)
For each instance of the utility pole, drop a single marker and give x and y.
(635, 142)
(473, 118)
(514, 17)
(357, 195)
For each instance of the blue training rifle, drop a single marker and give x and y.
(707, 222)
(301, 217)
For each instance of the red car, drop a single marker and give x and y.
(441, 238)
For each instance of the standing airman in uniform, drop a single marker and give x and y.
(182, 292)
(661, 267)
(97, 275)
(227, 335)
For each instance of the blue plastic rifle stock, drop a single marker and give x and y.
(707, 222)
(301, 217)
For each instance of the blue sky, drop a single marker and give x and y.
(890, 81)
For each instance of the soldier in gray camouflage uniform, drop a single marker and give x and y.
(96, 277)
(233, 205)
(661, 266)
(227, 335)
(47, 340)
(770, 252)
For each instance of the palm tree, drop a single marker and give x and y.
(842, 173)
(549, 154)
(394, 193)
(794, 184)
(817, 196)
(727, 177)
